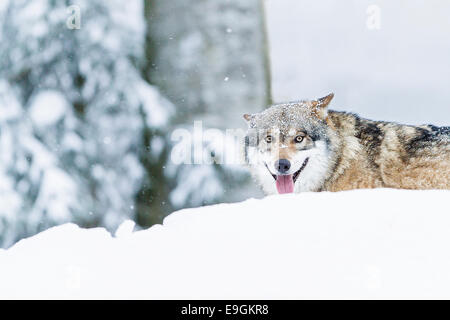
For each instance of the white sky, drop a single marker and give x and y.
(400, 72)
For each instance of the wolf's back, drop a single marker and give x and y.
(438, 131)
(391, 154)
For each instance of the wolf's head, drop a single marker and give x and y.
(288, 145)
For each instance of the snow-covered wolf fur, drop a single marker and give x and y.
(303, 146)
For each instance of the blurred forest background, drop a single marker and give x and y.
(86, 114)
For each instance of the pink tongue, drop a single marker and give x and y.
(285, 184)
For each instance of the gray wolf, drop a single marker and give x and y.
(302, 146)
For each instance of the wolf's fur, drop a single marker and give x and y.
(345, 151)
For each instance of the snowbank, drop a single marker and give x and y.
(357, 244)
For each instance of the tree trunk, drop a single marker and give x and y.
(209, 57)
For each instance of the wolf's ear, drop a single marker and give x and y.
(249, 118)
(325, 101)
(320, 106)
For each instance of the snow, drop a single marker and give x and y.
(47, 108)
(197, 182)
(9, 106)
(356, 244)
(83, 106)
(157, 109)
(56, 194)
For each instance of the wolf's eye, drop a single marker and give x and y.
(298, 139)
(268, 139)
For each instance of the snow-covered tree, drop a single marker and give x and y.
(76, 116)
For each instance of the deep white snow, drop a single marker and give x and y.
(356, 244)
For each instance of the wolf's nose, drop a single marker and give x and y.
(282, 165)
